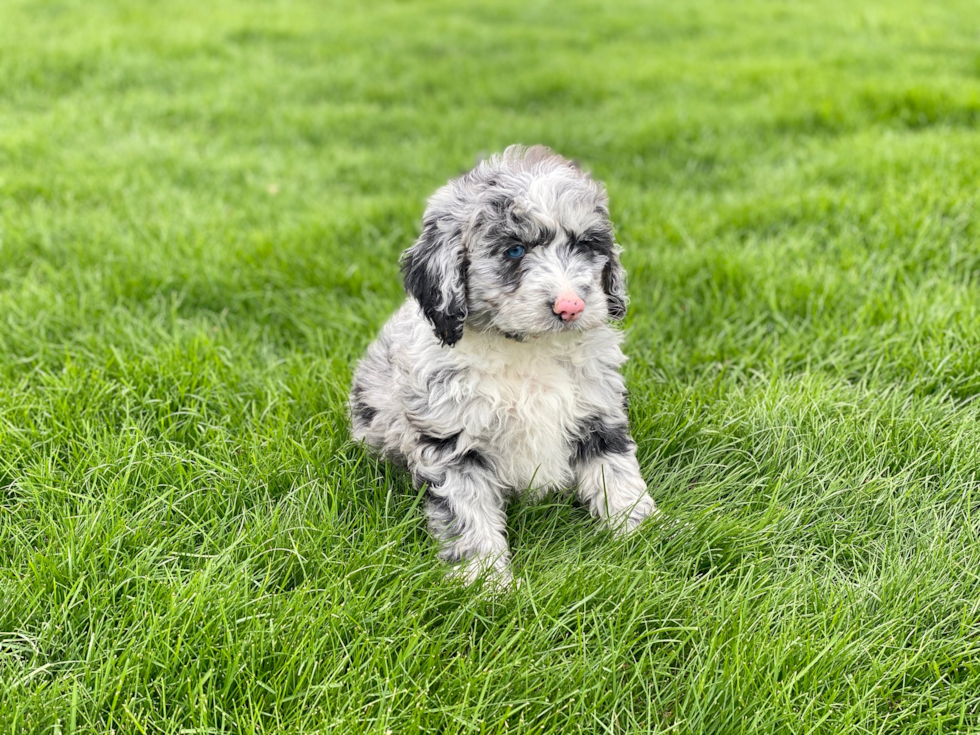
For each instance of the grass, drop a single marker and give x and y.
(201, 209)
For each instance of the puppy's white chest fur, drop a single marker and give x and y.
(530, 399)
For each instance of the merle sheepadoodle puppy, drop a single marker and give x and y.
(500, 373)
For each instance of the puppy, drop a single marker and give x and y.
(500, 373)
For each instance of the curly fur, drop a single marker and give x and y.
(477, 386)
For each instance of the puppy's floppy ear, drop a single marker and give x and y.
(435, 276)
(614, 284)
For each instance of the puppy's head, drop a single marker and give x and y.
(522, 244)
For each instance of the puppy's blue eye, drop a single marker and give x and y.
(516, 252)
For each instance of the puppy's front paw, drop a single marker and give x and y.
(644, 508)
(495, 573)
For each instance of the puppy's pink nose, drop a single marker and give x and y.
(569, 306)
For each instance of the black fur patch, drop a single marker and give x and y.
(444, 518)
(597, 241)
(365, 412)
(443, 443)
(474, 458)
(359, 408)
(612, 284)
(595, 439)
(423, 282)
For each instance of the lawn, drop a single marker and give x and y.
(201, 210)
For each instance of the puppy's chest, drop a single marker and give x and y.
(532, 412)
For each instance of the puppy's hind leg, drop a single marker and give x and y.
(609, 481)
(465, 505)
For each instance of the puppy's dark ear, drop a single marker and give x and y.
(435, 276)
(614, 284)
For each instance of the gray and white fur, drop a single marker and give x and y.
(500, 373)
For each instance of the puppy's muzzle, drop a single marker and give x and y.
(568, 306)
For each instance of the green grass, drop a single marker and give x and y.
(201, 209)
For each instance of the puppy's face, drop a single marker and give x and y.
(537, 258)
(522, 245)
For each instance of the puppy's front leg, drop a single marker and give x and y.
(465, 505)
(609, 481)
